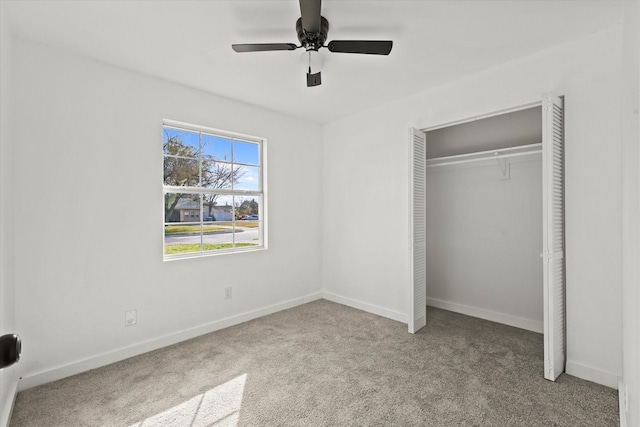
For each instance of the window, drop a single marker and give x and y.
(213, 191)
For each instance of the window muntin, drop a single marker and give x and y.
(213, 192)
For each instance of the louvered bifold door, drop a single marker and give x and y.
(553, 235)
(418, 229)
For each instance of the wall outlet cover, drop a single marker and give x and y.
(130, 317)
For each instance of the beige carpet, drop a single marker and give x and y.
(324, 364)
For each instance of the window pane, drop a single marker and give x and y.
(182, 230)
(218, 236)
(216, 207)
(181, 172)
(180, 142)
(247, 208)
(182, 238)
(247, 178)
(180, 207)
(247, 153)
(248, 221)
(217, 175)
(215, 147)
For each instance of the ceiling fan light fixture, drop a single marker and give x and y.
(312, 61)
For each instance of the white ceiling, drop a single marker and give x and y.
(189, 42)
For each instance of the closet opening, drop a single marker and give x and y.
(484, 218)
(488, 222)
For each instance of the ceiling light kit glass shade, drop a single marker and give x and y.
(312, 61)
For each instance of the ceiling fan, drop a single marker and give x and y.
(312, 29)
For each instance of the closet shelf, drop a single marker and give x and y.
(502, 153)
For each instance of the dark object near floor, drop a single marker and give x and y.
(10, 349)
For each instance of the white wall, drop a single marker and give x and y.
(631, 215)
(8, 377)
(88, 215)
(366, 166)
(484, 239)
(95, 129)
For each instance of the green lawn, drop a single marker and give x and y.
(183, 248)
(194, 229)
(247, 224)
(207, 228)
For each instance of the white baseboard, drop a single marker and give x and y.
(7, 410)
(493, 316)
(364, 306)
(592, 374)
(107, 358)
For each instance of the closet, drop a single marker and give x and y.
(487, 221)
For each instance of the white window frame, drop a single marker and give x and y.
(261, 192)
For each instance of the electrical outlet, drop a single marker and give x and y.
(130, 317)
(227, 293)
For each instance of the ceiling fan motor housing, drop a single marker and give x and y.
(312, 41)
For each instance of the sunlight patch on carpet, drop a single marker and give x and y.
(218, 407)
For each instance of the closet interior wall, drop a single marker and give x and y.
(484, 219)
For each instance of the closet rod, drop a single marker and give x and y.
(501, 153)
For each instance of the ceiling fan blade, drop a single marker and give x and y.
(313, 79)
(310, 14)
(370, 47)
(262, 47)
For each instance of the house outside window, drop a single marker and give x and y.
(214, 191)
